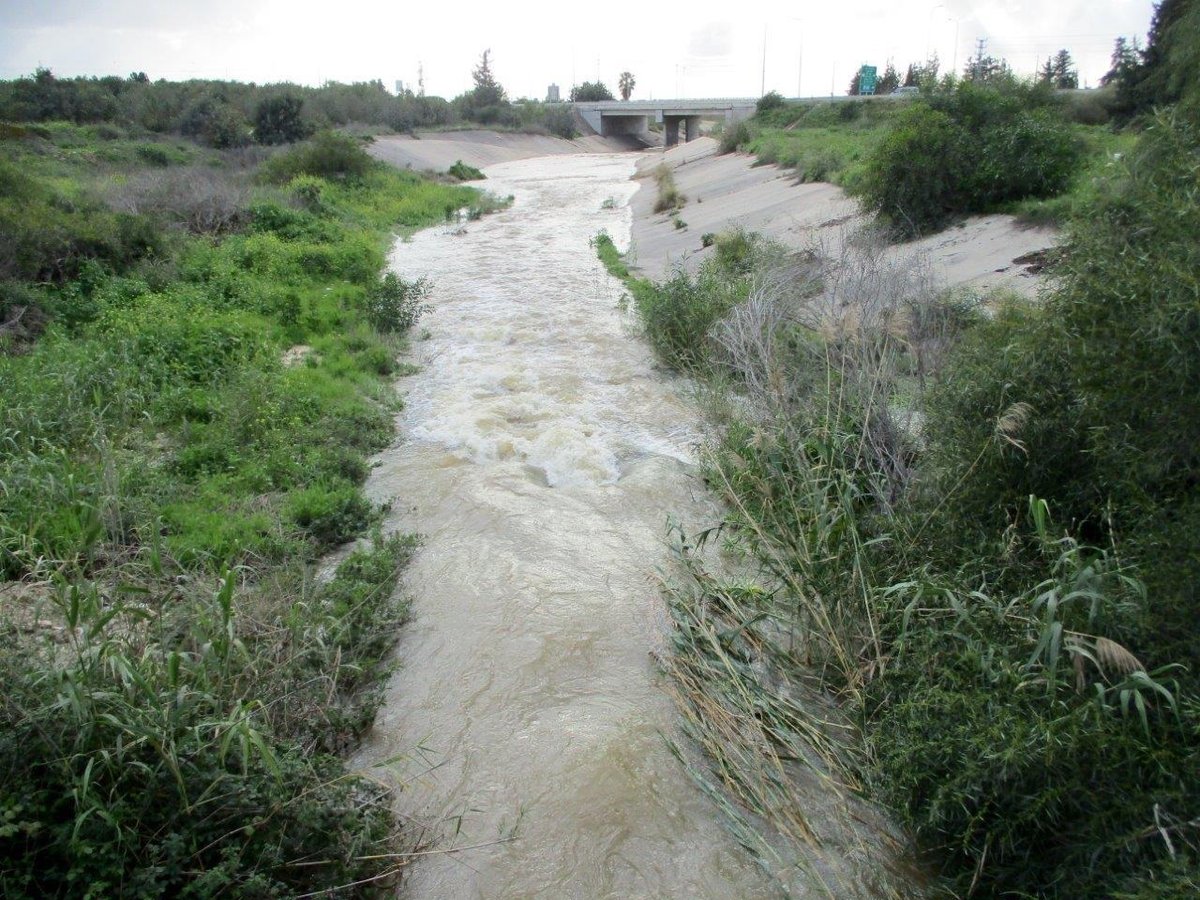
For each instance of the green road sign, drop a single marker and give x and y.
(866, 80)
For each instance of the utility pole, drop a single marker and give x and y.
(763, 91)
(420, 78)
(800, 69)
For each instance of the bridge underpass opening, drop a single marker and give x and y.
(611, 125)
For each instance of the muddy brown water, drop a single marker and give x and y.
(541, 455)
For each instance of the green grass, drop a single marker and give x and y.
(168, 481)
(607, 251)
(833, 153)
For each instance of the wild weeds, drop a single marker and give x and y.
(984, 688)
(175, 742)
(669, 198)
(178, 682)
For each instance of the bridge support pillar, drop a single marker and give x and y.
(671, 130)
(691, 128)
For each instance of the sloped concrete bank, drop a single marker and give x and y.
(728, 191)
(438, 150)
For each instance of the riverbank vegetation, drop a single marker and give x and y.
(226, 114)
(920, 160)
(972, 521)
(195, 347)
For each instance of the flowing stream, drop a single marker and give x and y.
(540, 456)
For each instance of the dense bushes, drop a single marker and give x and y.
(222, 113)
(395, 305)
(968, 150)
(278, 120)
(1106, 375)
(978, 531)
(328, 155)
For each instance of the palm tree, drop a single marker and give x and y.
(625, 84)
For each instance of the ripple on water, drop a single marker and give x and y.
(527, 694)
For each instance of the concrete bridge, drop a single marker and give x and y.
(612, 117)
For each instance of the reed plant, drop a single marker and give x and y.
(933, 605)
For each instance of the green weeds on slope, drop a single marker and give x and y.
(918, 164)
(194, 349)
(973, 531)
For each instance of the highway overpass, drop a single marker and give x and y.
(613, 117)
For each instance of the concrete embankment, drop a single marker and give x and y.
(438, 150)
(728, 191)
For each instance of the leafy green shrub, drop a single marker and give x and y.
(293, 224)
(328, 155)
(310, 191)
(48, 237)
(769, 101)
(215, 123)
(463, 172)
(170, 342)
(154, 155)
(559, 120)
(966, 151)
(395, 305)
(736, 251)
(1004, 424)
(1017, 724)
(279, 120)
(590, 92)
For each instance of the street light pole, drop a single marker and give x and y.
(763, 92)
(799, 59)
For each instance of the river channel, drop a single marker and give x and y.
(540, 455)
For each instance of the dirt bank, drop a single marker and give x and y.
(726, 191)
(439, 150)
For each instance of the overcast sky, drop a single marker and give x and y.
(702, 48)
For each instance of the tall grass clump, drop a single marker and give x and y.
(669, 197)
(973, 536)
(182, 745)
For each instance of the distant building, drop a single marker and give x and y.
(552, 94)
(399, 87)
